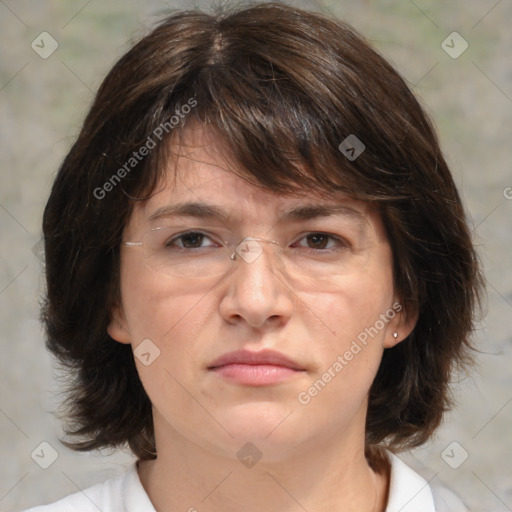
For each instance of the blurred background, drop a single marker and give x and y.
(53, 56)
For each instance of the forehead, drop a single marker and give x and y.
(200, 175)
(200, 189)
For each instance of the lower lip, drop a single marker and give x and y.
(255, 374)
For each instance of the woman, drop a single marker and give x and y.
(259, 272)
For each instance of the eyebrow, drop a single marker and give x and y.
(190, 209)
(312, 211)
(299, 213)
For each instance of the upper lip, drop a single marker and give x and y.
(254, 358)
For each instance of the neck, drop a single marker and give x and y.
(320, 478)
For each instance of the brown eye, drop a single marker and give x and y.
(318, 240)
(321, 243)
(191, 240)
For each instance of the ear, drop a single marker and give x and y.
(401, 325)
(117, 327)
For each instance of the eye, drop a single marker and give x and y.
(321, 241)
(190, 240)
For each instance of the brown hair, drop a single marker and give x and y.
(282, 87)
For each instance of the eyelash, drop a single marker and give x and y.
(340, 241)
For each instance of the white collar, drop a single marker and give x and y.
(408, 491)
(134, 496)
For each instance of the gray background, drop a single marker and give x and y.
(42, 103)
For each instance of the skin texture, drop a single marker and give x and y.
(312, 455)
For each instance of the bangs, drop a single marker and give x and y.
(281, 105)
(277, 149)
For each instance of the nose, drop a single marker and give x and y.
(257, 293)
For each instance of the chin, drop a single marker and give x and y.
(266, 424)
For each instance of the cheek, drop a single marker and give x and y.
(174, 317)
(355, 306)
(351, 347)
(350, 353)
(371, 293)
(157, 306)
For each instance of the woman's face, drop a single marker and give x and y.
(278, 345)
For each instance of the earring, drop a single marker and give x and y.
(395, 335)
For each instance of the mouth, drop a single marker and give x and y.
(256, 368)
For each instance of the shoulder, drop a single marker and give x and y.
(409, 492)
(445, 500)
(123, 493)
(104, 496)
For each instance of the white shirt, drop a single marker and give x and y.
(408, 492)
